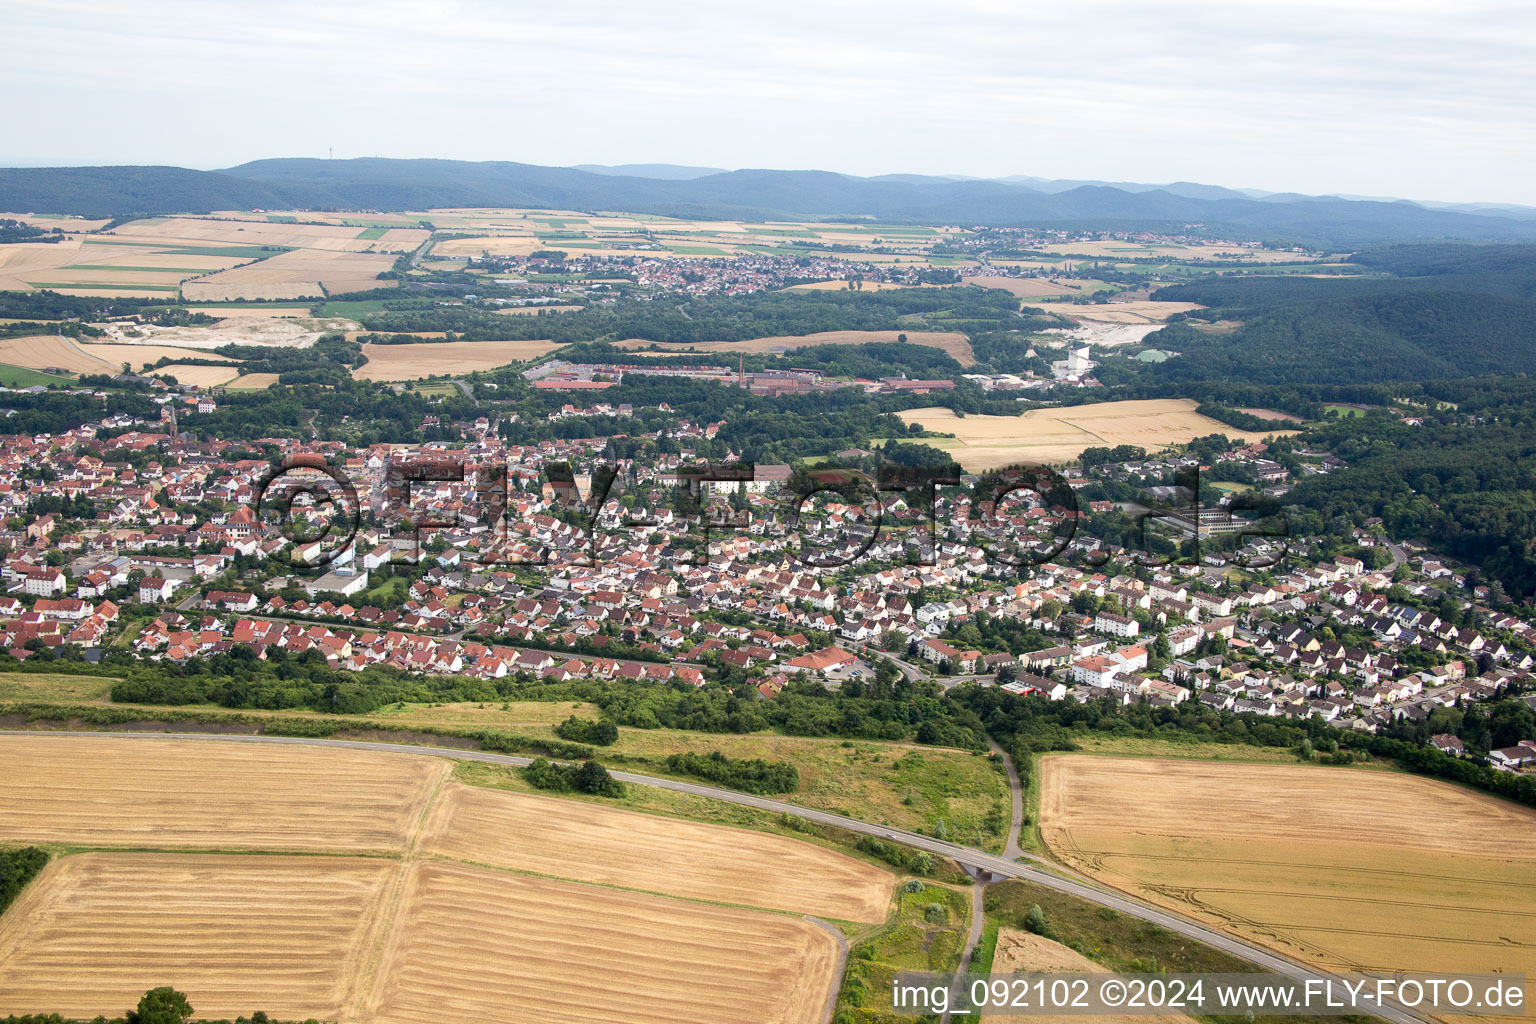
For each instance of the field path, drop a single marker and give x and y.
(1250, 951)
(381, 935)
(1016, 789)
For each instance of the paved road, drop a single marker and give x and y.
(978, 859)
(1016, 790)
(978, 921)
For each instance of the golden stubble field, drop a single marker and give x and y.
(211, 231)
(591, 843)
(1029, 287)
(236, 933)
(1061, 435)
(196, 794)
(1026, 953)
(231, 871)
(207, 258)
(299, 274)
(480, 945)
(431, 359)
(37, 351)
(1348, 869)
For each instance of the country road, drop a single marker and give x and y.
(967, 856)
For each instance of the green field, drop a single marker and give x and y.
(353, 309)
(21, 377)
(371, 234)
(94, 286)
(1344, 410)
(53, 686)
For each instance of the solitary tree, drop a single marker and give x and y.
(162, 1005)
(1035, 920)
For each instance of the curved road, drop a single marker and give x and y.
(964, 855)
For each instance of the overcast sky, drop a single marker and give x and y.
(1373, 97)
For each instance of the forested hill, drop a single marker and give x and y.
(1436, 312)
(426, 184)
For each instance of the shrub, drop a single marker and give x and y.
(587, 777)
(1035, 920)
(584, 730)
(750, 775)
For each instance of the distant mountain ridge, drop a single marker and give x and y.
(387, 184)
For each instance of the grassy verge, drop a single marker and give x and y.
(937, 791)
(51, 686)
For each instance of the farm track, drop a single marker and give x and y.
(994, 865)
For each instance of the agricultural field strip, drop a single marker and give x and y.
(641, 852)
(1247, 950)
(487, 946)
(777, 968)
(402, 806)
(294, 925)
(1061, 434)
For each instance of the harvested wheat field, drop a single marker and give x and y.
(1030, 287)
(1026, 953)
(138, 355)
(403, 935)
(235, 933)
(473, 944)
(535, 310)
(252, 382)
(313, 237)
(103, 791)
(1272, 414)
(957, 345)
(616, 847)
(1060, 435)
(300, 274)
(414, 362)
(1343, 867)
(35, 351)
(193, 376)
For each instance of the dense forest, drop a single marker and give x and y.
(892, 708)
(1451, 311)
(1463, 479)
(703, 318)
(17, 868)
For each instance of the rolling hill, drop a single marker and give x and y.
(377, 183)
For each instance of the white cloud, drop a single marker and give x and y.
(1427, 100)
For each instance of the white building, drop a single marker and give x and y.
(45, 582)
(1116, 625)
